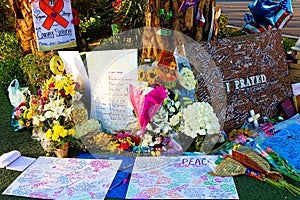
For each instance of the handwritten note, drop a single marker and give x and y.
(66, 178)
(182, 177)
(52, 23)
(111, 73)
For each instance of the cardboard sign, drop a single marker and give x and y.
(111, 73)
(240, 74)
(52, 23)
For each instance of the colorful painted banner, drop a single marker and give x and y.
(65, 178)
(52, 23)
(285, 143)
(183, 177)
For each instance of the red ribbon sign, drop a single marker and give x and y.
(52, 13)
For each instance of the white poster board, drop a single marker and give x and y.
(65, 178)
(111, 73)
(182, 177)
(52, 24)
(74, 65)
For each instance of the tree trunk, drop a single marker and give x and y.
(24, 25)
(199, 23)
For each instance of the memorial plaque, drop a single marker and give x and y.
(240, 74)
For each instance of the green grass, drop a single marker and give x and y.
(248, 188)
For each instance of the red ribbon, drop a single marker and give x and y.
(52, 13)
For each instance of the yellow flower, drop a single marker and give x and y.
(71, 132)
(29, 114)
(21, 122)
(70, 89)
(28, 124)
(151, 76)
(57, 128)
(49, 133)
(141, 75)
(58, 85)
(173, 66)
(55, 136)
(63, 133)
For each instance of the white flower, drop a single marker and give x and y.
(165, 127)
(146, 140)
(177, 104)
(55, 109)
(36, 120)
(172, 109)
(200, 118)
(77, 96)
(187, 79)
(174, 120)
(67, 113)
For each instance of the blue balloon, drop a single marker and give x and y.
(265, 11)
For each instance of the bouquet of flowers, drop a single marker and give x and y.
(23, 112)
(55, 107)
(187, 122)
(55, 110)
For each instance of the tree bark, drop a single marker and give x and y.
(187, 21)
(24, 25)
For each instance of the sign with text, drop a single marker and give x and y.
(111, 73)
(180, 177)
(254, 75)
(52, 23)
(65, 178)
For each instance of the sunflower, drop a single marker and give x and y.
(151, 76)
(141, 75)
(173, 66)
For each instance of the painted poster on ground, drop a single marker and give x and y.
(111, 73)
(183, 177)
(52, 24)
(284, 143)
(65, 178)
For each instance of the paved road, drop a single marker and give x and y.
(235, 11)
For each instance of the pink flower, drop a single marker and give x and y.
(52, 85)
(17, 113)
(122, 135)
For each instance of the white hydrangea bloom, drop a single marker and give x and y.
(200, 118)
(187, 79)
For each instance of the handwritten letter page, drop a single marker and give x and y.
(111, 73)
